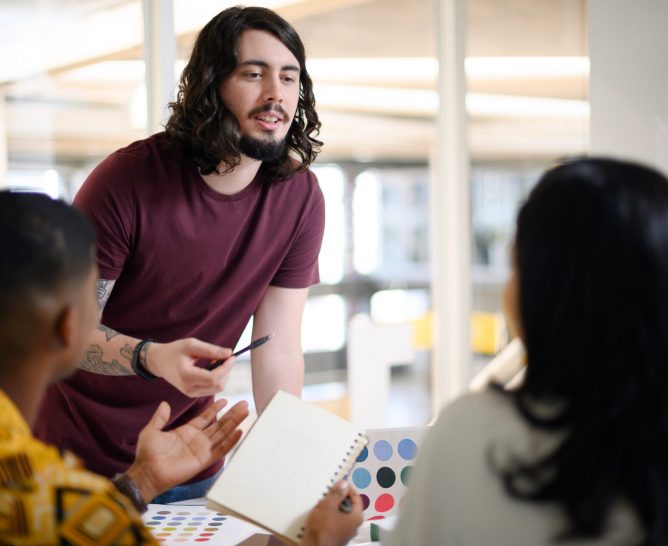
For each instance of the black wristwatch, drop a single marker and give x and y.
(136, 364)
(126, 485)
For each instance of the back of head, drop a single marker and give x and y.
(201, 123)
(46, 250)
(592, 259)
(592, 255)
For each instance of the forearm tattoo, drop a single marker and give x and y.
(93, 361)
(103, 290)
(108, 332)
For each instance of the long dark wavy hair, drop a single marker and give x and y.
(592, 257)
(205, 130)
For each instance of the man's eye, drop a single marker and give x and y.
(289, 79)
(253, 75)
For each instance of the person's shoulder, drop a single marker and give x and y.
(484, 411)
(157, 143)
(480, 403)
(301, 187)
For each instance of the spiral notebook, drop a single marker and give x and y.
(289, 459)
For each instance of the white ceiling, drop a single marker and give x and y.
(57, 110)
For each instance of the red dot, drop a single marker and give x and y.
(375, 517)
(206, 534)
(384, 502)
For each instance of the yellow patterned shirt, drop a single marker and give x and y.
(46, 499)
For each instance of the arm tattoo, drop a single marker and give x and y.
(93, 362)
(108, 332)
(103, 290)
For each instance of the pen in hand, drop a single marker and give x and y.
(346, 505)
(253, 345)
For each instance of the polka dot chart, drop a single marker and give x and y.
(174, 525)
(382, 470)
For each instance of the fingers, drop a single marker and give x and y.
(201, 382)
(224, 434)
(208, 416)
(160, 417)
(222, 371)
(231, 420)
(223, 446)
(201, 349)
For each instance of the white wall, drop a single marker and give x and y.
(628, 90)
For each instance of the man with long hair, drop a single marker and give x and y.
(200, 227)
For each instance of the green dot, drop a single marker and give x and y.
(406, 474)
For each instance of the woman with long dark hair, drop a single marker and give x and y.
(578, 454)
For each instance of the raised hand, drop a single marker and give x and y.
(168, 458)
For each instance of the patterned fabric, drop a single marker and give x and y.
(48, 499)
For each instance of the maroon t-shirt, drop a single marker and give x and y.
(187, 261)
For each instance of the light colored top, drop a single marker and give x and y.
(456, 498)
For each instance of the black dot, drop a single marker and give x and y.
(385, 477)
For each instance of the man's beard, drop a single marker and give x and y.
(262, 149)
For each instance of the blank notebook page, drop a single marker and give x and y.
(291, 456)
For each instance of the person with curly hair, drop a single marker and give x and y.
(200, 227)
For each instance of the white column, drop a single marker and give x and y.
(160, 57)
(4, 148)
(451, 232)
(628, 88)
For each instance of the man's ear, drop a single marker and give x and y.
(65, 326)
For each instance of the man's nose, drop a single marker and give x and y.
(272, 91)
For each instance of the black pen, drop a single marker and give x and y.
(346, 505)
(253, 345)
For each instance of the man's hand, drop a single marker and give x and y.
(166, 459)
(176, 362)
(327, 524)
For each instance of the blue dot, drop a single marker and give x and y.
(159, 517)
(152, 523)
(382, 450)
(363, 455)
(179, 518)
(200, 518)
(218, 519)
(361, 478)
(407, 449)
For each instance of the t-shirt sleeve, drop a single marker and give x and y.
(299, 269)
(107, 198)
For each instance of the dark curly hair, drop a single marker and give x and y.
(592, 259)
(201, 125)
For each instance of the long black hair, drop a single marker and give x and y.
(200, 123)
(592, 258)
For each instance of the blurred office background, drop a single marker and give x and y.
(74, 76)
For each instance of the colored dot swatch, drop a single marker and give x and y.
(382, 470)
(361, 478)
(200, 525)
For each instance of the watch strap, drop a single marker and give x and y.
(136, 363)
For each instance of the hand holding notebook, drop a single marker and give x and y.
(288, 461)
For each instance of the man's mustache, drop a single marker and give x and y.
(277, 108)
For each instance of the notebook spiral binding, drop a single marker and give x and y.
(348, 462)
(344, 467)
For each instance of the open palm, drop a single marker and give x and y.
(168, 458)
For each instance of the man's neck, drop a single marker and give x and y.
(26, 390)
(235, 180)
